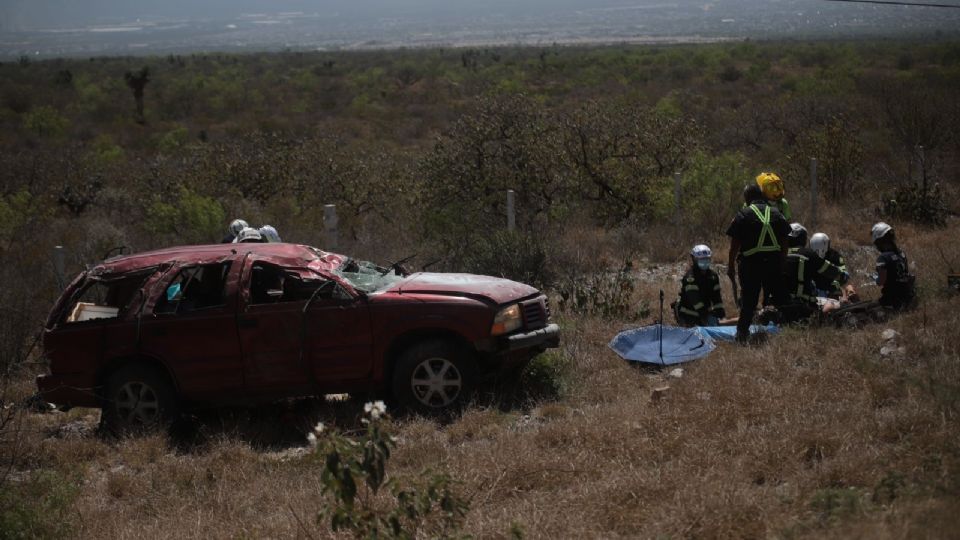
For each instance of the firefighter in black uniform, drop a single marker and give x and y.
(805, 268)
(893, 272)
(699, 303)
(820, 243)
(758, 245)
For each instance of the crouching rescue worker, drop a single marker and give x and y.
(699, 303)
(804, 269)
(758, 247)
(820, 244)
(248, 235)
(233, 230)
(893, 275)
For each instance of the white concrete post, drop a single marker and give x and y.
(59, 266)
(814, 197)
(511, 210)
(330, 224)
(676, 197)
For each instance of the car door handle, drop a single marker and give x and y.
(248, 323)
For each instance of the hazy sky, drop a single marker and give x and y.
(59, 13)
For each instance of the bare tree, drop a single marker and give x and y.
(137, 81)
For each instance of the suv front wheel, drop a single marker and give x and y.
(434, 377)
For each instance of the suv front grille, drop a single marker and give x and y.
(535, 313)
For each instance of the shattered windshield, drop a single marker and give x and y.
(366, 276)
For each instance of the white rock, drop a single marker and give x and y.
(887, 351)
(890, 334)
(676, 373)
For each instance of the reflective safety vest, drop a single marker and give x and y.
(768, 239)
(801, 291)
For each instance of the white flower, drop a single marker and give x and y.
(312, 439)
(375, 409)
(318, 429)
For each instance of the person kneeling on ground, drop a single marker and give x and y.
(893, 271)
(845, 293)
(699, 302)
(804, 268)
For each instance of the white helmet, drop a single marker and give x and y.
(237, 225)
(798, 233)
(249, 234)
(269, 233)
(820, 243)
(701, 255)
(701, 251)
(880, 230)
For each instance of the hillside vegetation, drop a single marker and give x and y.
(814, 434)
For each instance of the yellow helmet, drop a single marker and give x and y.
(771, 184)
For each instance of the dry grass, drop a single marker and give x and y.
(813, 434)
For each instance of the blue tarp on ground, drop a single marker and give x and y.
(729, 333)
(679, 344)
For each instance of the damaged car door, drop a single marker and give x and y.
(270, 327)
(192, 328)
(338, 338)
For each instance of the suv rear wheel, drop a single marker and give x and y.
(434, 377)
(138, 398)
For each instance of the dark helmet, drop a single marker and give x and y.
(798, 235)
(752, 192)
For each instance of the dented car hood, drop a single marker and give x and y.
(497, 290)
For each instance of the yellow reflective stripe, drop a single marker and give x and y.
(698, 305)
(689, 311)
(691, 288)
(766, 232)
(801, 265)
(716, 287)
(824, 267)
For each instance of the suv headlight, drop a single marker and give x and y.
(507, 320)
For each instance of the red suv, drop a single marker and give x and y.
(144, 335)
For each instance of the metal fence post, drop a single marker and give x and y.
(330, 224)
(511, 210)
(59, 266)
(814, 197)
(676, 198)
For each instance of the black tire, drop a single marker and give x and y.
(434, 377)
(138, 398)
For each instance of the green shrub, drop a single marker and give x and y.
(710, 191)
(509, 254)
(355, 475)
(547, 376)
(45, 121)
(911, 202)
(606, 293)
(38, 507)
(832, 504)
(191, 219)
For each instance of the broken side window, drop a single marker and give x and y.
(195, 288)
(100, 299)
(270, 283)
